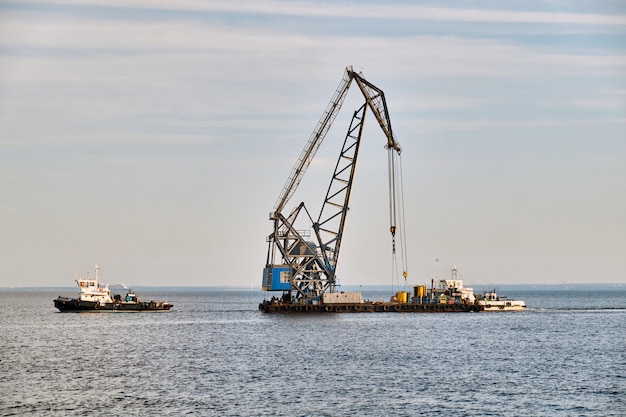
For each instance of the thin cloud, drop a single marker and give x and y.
(448, 125)
(422, 55)
(343, 10)
(614, 100)
(600, 103)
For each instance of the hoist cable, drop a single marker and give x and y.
(397, 213)
(392, 192)
(405, 266)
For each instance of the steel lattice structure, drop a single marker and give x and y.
(306, 262)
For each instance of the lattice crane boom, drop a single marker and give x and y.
(307, 268)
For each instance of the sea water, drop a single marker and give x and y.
(215, 354)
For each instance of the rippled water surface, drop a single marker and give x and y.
(216, 354)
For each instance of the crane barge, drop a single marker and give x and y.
(302, 263)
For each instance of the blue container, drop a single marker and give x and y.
(277, 278)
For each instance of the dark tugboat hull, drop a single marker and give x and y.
(65, 305)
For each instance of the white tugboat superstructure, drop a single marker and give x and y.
(490, 301)
(91, 291)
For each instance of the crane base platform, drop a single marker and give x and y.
(367, 307)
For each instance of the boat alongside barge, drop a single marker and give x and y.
(490, 301)
(95, 297)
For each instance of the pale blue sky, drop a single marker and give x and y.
(154, 137)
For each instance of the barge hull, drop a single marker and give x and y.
(286, 308)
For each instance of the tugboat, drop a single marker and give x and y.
(490, 301)
(96, 297)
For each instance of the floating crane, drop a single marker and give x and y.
(302, 264)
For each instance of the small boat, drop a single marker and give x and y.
(490, 301)
(95, 296)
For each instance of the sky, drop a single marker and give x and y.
(153, 137)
